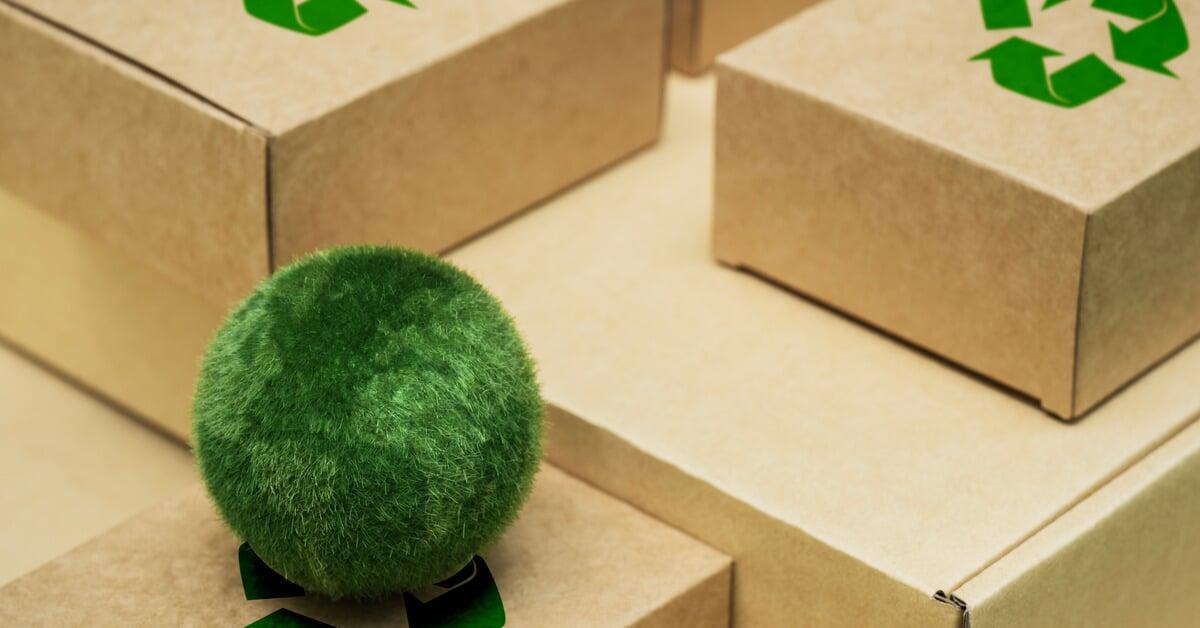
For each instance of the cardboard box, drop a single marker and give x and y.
(214, 145)
(849, 477)
(867, 157)
(703, 29)
(574, 558)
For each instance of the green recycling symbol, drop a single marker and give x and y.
(1019, 65)
(311, 17)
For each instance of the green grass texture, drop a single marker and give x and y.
(368, 420)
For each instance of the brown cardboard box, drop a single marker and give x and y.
(702, 29)
(849, 477)
(213, 145)
(574, 558)
(865, 160)
(185, 149)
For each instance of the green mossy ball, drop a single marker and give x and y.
(368, 419)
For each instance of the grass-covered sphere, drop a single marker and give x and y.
(368, 419)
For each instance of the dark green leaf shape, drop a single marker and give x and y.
(283, 618)
(259, 581)
(469, 599)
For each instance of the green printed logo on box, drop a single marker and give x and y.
(311, 17)
(1019, 65)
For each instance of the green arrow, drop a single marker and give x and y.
(311, 17)
(999, 14)
(1160, 38)
(1052, 3)
(1019, 65)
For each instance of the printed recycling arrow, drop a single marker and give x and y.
(1019, 65)
(999, 14)
(311, 17)
(1161, 37)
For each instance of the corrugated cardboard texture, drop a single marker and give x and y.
(420, 127)
(703, 29)
(574, 558)
(722, 404)
(131, 160)
(1126, 556)
(863, 160)
(476, 137)
(104, 319)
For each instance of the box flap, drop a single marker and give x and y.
(276, 78)
(909, 65)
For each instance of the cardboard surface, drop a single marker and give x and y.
(211, 144)
(155, 173)
(865, 160)
(103, 319)
(574, 558)
(72, 467)
(703, 29)
(1125, 556)
(849, 476)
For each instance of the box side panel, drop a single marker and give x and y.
(442, 155)
(910, 238)
(119, 154)
(100, 317)
(1141, 281)
(1126, 556)
(727, 23)
(783, 577)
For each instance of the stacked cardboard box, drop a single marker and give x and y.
(903, 163)
(854, 481)
(574, 558)
(209, 144)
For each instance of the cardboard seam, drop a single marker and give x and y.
(1076, 350)
(957, 602)
(717, 488)
(1136, 458)
(129, 61)
(269, 200)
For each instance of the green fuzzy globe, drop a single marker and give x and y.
(368, 420)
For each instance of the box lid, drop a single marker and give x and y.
(816, 434)
(909, 65)
(274, 78)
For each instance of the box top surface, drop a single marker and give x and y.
(574, 556)
(277, 78)
(912, 466)
(908, 65)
